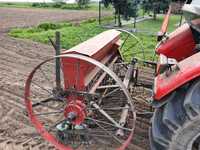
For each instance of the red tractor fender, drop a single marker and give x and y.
(189, 69)
(180, 44)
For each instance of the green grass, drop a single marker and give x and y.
(71, 34)
(154, 25)
(91, 6)
(75, 34)
(16, 5)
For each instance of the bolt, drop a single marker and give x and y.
(71, 116)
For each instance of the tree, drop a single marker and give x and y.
(156, 6)
(124, 8)
(146, 6)
(82, 3)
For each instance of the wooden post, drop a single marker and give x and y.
(99, 12)
(57, 69)
(135, 18)
(119, 18)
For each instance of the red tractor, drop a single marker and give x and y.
(176, 121)
(82, 98)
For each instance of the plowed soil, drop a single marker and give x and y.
(17, 59)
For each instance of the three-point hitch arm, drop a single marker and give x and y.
(164, 26)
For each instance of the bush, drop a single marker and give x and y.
(34, 30)
(91, 20)
(58, 4)
(35, 4)
(52, 26)
(47, 26)
(9, 3)
(70, 6)
(44, 5)
(82, 3)
(40, 5)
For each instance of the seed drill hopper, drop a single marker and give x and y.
(81, 97)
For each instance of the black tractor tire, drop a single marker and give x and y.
(176, 125)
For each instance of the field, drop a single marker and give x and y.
(17, 58)
(23, 17)
(91, 6)
(19, 55)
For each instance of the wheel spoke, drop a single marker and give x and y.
(124, 41)
(117, 139)
(107, 108)
(106, 123)
(49, 113)
(43, 101)
(44, 89)
(105, 114)
(110, 93)
(45, 76)
(130, 46)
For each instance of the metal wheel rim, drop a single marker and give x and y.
(137, 39)
(40, 128)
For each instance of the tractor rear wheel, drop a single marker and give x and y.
(176, 125)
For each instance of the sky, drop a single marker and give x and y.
(69, 1)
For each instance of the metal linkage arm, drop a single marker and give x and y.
(124, 114)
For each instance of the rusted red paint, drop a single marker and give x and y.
(189, 70)
(179, 45)
(75, 71)
(98, 46)
(35, 121)
(77, 107)
(70, 71)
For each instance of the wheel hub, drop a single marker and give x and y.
(75, 112)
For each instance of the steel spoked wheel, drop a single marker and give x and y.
(84, 112)
(131, 45)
